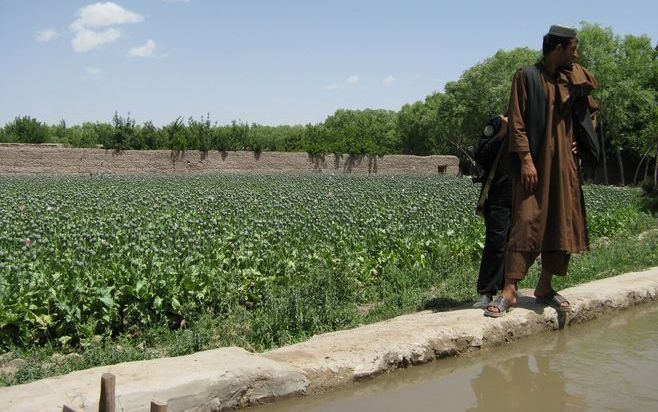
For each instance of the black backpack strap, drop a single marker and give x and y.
(535, 113)
(534, 117)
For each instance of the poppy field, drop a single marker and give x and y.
(84, 259)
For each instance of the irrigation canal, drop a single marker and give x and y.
(607, 364)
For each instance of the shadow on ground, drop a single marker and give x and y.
(441, 304)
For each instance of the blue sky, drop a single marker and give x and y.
(264, 61)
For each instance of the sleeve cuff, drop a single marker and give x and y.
(519, 148)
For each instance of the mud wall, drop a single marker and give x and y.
(55, 159)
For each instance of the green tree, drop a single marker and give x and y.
(200, 133)
(483, 91)
(58, 132)
(361, 132)
(449, 122)
(124, 133)
(221, 138)
(238, 133)
(316, 138)
(26, 129)
(626, 69)
(287, 138)
(259, 137)
(150, 136)
(415, 127)
(176, 135)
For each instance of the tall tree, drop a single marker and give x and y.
(625, 68)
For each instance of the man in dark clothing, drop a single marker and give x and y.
(551, 113)
(497, 210)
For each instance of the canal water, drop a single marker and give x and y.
(609, 364)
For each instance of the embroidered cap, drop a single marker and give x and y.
(562, 31)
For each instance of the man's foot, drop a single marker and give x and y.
(517, 293)
(499, 307)
(504, 302)
(483, 301)
(554, 300)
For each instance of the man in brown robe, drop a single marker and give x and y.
(548, 212)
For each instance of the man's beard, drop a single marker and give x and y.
(566, 66)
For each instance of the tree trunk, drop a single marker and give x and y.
(621, 167)
(646, 169)
(639, 166)
(655, 172)
(605, 161)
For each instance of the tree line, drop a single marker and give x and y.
(446, 122)
(355, 132)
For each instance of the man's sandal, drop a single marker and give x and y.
(503, 305)
(554, 300)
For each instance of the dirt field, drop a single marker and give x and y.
(54, 159)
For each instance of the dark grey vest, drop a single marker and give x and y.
(534, 119)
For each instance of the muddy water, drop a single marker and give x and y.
(607, 364)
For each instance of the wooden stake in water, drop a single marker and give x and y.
(157, 406)
(108, 384)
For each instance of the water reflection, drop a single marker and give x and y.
(523, 382)
(607, 364)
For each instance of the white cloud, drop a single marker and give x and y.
(350, 81)
(86, 40)
(93, 72)
(143, 51)
(96, 16)
(389, 80)
(106, 14)
(45, 36)
(353, 79)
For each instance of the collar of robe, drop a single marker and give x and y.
(575, 83)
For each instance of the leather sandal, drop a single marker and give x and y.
(554, 300)
(502, 304)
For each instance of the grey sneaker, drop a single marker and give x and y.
(483, 301)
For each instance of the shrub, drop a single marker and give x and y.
(26, 130)
(123, 134)
(650, 196)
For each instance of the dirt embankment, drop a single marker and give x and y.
(25, 159)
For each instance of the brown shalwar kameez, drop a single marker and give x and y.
(551, 220)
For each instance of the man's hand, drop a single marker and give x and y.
(503, 128)
(528, 172)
